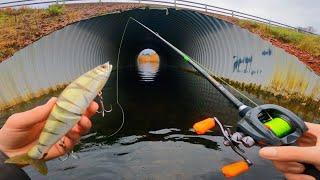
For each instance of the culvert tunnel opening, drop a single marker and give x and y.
(185, 29)
(209, 40)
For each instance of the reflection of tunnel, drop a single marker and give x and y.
(225, 49)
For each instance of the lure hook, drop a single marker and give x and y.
(71, 153)
(64, 158)
(109, 110)
(62, 144)
(103, 110)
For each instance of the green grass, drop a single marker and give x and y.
(55, 10)
(306, 42)
(3, 17)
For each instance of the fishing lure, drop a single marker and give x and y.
(70, 106)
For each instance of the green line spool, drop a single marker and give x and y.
(279, 127)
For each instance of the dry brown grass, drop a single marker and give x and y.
(20, 27)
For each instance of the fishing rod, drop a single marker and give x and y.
(265, 125)
(214, 82)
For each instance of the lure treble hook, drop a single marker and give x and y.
(103, 110)
(71, 153)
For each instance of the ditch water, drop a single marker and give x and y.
(157, 141)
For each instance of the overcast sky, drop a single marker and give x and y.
(292, 12)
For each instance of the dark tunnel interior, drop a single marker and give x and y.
(182, 28)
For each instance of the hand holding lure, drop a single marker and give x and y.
(66, 113)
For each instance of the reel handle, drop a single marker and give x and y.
(311, 171)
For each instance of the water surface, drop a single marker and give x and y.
(156, 141)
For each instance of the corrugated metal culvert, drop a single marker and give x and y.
(227, 50)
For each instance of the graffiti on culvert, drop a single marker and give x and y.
(244, 65)
(267, 52)
(259, 71)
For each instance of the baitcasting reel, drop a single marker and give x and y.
(271, 125)
(265, 125)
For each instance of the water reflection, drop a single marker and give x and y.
(148, 63)
(175, 135)
(4, 115)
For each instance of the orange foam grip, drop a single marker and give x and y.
(203, 126)
(235, 169)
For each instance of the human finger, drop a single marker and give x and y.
(79, 129)
(84, 125)
(73, 135)
(289, 167)
(313, 128)
(291, 176)
(82, 128)
(291, 154)
(60, 148)
(92, 109)
(30, 118)
(307, 141)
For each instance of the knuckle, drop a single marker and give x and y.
(89, 124)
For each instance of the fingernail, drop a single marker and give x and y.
(50, 100)
(268, 152)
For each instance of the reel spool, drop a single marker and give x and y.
(271, 124)
(279, 126)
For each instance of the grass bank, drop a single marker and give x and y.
(21, 27)
(306, 42)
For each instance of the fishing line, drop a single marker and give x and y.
(117, 82)
(187, 58)
(229, 85)
(236, 90)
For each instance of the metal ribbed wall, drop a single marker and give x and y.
(227, 50)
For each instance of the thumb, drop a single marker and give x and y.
(292, 153)
(33, 116)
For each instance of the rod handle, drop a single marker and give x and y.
(311, 170)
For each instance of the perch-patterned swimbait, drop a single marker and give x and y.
(70, 106)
